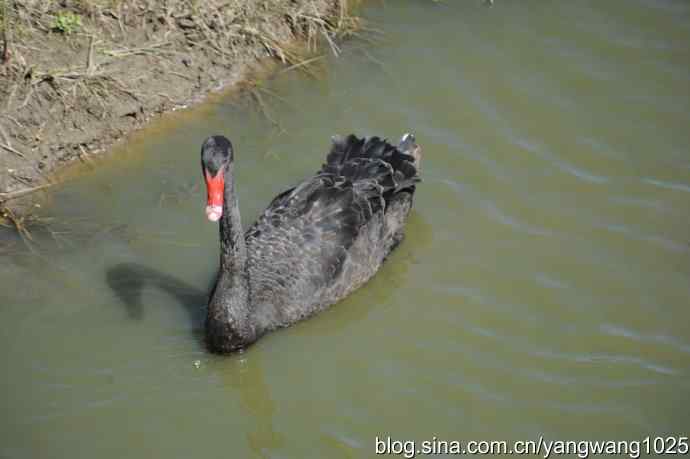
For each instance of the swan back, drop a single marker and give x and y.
(318, 241)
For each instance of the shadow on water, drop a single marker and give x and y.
(242, 373)
(128, 281)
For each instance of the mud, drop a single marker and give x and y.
(78, 76)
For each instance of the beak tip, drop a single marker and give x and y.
(214, 212)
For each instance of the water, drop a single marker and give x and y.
(542, 288)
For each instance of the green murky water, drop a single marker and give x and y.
(543, 288)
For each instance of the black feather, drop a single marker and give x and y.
(326, 212)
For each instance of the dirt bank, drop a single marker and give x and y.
(76, 76)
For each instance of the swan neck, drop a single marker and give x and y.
(228, 324)
(233, 251)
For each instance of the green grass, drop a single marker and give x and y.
(66, 22)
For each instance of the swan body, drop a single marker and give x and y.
(314, 244)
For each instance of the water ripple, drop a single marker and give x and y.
(549, 281)
(652, 204)
(667, 185)
(496, 214)
(618, 330)
(544, 154)
(655, 239)
(604, 358)
(627, 359)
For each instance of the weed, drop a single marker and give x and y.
(67, 22)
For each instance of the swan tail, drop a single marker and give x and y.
(408, 145)
(373, 162)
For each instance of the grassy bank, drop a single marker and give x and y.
(78, 75)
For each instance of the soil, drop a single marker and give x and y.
(77, 76)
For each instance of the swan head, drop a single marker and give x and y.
(216, 157)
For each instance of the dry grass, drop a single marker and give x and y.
(287, 30)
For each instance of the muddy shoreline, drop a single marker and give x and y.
(78, 76)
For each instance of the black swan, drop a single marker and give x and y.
(314, 244)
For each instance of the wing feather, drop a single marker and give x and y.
(303, 236)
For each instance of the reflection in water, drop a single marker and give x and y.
(245, 374)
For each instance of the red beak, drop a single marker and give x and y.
(215, 186)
